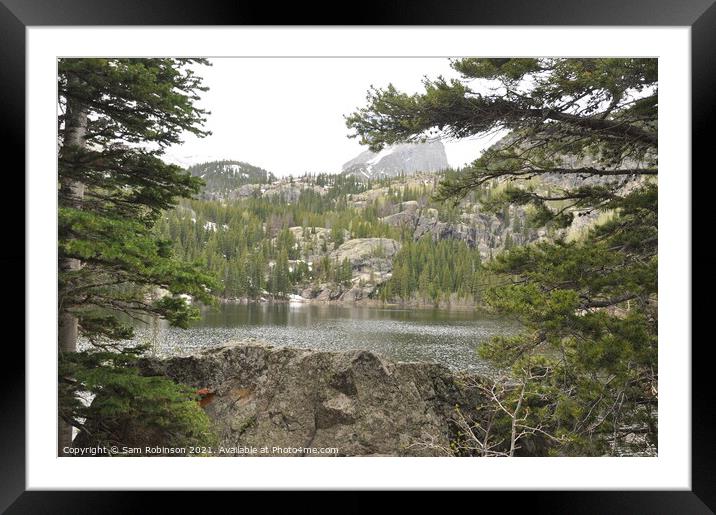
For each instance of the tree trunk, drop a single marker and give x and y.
(75, 132)
(515, 415)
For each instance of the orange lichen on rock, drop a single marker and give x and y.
(206, 396)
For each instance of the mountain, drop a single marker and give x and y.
(334, 237)
(224, 177)
(395, 160)
(375, 231)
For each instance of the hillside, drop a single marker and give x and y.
(332, 237)
(224, 179)
(353, 237)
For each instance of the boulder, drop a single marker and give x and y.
(358, 292)
(359, 250)
(355, 402)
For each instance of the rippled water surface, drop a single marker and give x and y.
(444, 336)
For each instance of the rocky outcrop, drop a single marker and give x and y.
(314, 242)
(371, 262)
(409, 214)
(290, 190)
(363, 252)
(489, 233)
(355, 402)
(359, 289)
(245, 191)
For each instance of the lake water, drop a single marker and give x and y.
(450, 337)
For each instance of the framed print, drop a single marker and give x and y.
(359, 257)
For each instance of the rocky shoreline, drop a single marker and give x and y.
(459, 304)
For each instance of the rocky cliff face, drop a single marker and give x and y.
(355, 402)
(371, 262)
(398, 159)
(489, 233)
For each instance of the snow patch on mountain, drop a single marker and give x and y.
(395, 160)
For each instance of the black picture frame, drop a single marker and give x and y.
(17, 15)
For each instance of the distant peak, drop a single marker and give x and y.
(394, 160)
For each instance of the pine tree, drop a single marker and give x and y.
(346, 272)
(337, 236)
(117, 116)
(588, 354)
(282, 275)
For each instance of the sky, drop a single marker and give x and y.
(286, 114)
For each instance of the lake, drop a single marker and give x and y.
(442, 336)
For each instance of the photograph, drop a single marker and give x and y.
(357, 256)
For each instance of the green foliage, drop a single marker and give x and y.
(122, 258)
(133, 100)
(419, 271)
(241, 242)
(600, 110)
(279, 279)
(116, 117)
(128, 408)
(529, 93)
(588, 355)
(109, 227)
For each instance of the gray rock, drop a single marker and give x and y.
(487, 232)
(354, 401)
(409, 218)
(359, 251)
(358, 292)
(247, 190)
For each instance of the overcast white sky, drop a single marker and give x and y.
(286, 114)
